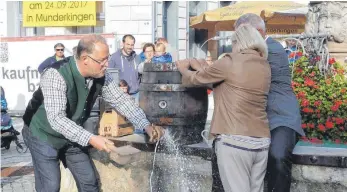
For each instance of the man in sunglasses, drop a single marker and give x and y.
(59, 55)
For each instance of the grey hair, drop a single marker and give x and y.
(252, 19)
(87, 44)
(74, 50)
(247, 37)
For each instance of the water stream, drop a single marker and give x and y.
(176, 171)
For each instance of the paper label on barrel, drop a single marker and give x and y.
(114, 125)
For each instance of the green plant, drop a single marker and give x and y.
(323, 99)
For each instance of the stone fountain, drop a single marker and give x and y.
(329, 17)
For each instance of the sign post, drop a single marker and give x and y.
(59, 13)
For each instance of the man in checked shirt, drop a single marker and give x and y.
(54, 116)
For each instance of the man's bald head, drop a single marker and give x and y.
(251, 19)
(92, 56)
(87, 44)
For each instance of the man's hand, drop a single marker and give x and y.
(101, 143)
(182, 65)
(154, 133)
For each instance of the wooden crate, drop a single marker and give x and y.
(113, 124)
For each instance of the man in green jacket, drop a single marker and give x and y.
(55, 116)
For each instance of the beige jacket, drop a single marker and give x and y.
(241, 85)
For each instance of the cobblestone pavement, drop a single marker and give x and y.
(18, 183)
(16, 168)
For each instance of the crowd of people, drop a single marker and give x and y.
(255, 123)
(126, 60)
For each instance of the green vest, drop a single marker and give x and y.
(80, 100)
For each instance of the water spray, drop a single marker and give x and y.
(150, 178)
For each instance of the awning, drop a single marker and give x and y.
(277, 15)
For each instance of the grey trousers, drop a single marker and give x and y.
(242, 166)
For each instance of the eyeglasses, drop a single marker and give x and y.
(59, 49)
(100, 62)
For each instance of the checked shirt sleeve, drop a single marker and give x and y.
(123, 103)
(54, 92)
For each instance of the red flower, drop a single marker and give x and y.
(338, 102)
(301, 94)
(299, 54)
(312, 74)
(332, 61)
(328, 81)
(343, 90)
(340, 71)
(309, 82)
(304, 126)
(317, 103)
(321, 127)
(317, 58)
(310, 125)
(329, 124)
(316, 140)
(339, 121)
(305, 103)
(338, 141)
(292, 54)
(307, 110)
(304, 138)
(294, 84)
(335, 107)
(298, 70)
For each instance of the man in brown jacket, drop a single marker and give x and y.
(239, 121)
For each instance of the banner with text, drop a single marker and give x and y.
(19, 60)
(59, 13)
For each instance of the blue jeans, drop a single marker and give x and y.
(136, 96)
(47, 166)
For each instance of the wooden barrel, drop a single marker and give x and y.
(168, 103)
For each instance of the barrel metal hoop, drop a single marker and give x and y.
(166, 87)
(162, 87)
(160, 67)
(193, 120)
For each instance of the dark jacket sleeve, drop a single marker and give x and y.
(35, 102)
(46, 63)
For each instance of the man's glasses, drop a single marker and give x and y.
(59, 49)
(100, 62)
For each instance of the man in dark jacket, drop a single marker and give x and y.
(283, 110)
(59, 55)
(126, 61)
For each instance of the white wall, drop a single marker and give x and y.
(212, 5)
(130, 17)
(3, 19)
(182, 30)
(159, 19)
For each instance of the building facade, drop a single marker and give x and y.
(146, 20)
